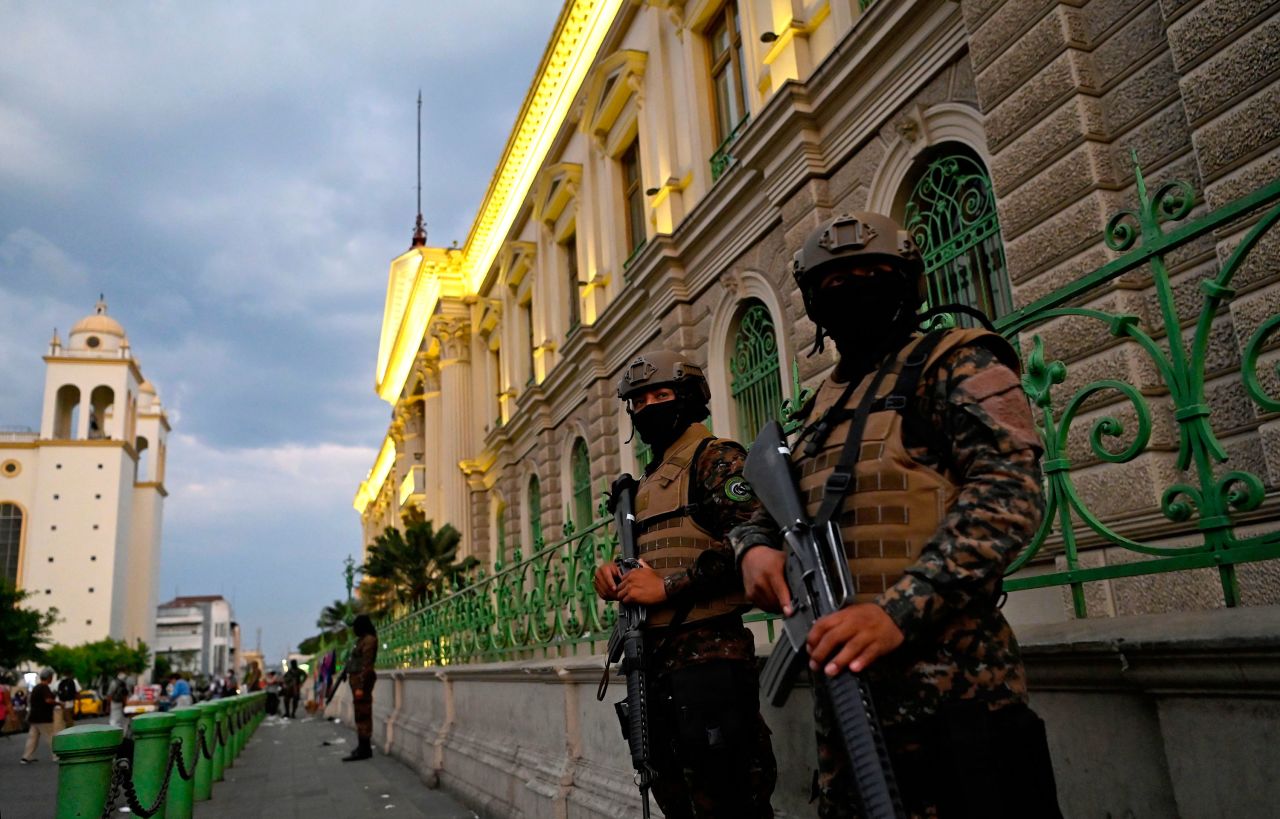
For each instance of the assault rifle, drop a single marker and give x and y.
(820, 583)
(627, 643)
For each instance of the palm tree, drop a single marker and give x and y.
(336, 616)
(414, 565)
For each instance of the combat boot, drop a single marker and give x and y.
(364, 750)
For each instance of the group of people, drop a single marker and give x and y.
(41, 712)
(287, 686)
(920, 449)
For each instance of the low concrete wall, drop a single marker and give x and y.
(1149, 717)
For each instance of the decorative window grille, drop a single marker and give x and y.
(952, 217)
(535, 511)
(633, 197)
(526, 311)
(580, 473)
(10, 541)
(644, 453)
(756, 379)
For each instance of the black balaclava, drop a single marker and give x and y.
(660, 424)
(865, 316)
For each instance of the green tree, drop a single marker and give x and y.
(93, 663)
(22, 630)
(412, 566)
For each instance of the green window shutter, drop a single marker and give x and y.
(535, 511)
(756, 380)
(580, 471)
(952, 217)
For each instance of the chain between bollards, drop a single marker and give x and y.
(122, 781)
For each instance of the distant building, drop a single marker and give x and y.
(81, 500)
(198, 634)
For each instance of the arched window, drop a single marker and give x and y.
(142, 470)
(499, 529)
(951, 214)
(756, 382)
(10, 541)
(580, 474)
(535, 512)
(66, 418)
(101, 407)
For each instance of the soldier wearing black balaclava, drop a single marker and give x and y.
(937, 493)
(711, 749)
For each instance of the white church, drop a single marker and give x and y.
(81, 500)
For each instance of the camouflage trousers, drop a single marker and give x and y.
(967, 763)
(363, 707)
(711, 750)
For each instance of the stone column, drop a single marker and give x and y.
(433, 434)
(454, 335)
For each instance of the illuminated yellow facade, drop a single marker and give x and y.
(668, 159)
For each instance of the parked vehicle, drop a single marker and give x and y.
(89, 703)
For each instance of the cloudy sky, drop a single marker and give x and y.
(236, 176)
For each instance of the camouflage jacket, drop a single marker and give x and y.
(723, 502)
(958, 644)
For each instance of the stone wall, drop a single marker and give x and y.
(1148, 717)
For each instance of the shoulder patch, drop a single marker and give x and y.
(738, 490)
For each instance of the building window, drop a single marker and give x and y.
(580, 473)
(535, 513)
(500, 529)
(644, 453)
(526, 316)
(756, 379)
(633, 197)
(11, 520)
(951, 214)
(571, 276)
(724, 40)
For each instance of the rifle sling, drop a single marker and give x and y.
(841, 477)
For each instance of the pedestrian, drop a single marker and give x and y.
(922, 448)
(361, 675)
(712, 756)
(40, 717)
(18, 702)
(118, 695)
(273, 693)
(8, 719)
(293, 680)
(67, 690)
(180, 690)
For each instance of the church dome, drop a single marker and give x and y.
(147, 387)
(97, 332)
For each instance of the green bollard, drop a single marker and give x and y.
(204, 765)
(85, 755)
(181, 791)
(151, 734)
(238, 721)
(219, 709)
(229, 731)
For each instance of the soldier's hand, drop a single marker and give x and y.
(857, 635)
(643, 586)
(765, 580)
(606, 580)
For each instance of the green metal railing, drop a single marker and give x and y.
(722, 159)
(544, 605)
(177, 756)
(1211, 501)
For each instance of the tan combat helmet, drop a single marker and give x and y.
(658, 368)
(860, 235)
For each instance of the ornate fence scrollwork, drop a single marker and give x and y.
(1208, 500)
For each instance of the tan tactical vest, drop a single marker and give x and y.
(677, 542)
(896, 504)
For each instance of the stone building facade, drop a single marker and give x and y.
(671, 155)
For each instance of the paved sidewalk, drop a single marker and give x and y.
(285, 772)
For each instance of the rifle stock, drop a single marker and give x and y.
(815, 564)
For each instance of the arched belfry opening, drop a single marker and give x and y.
(142, 473)
(101, 409)
(66, 413)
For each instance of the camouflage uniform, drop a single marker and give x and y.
(712, 752)
(361, 676)
(958, 673)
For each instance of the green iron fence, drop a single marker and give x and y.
(544, 605)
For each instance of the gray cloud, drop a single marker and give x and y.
(236, 177)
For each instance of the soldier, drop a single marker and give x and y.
(936, 493)
(711, 749)
(360, 673)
